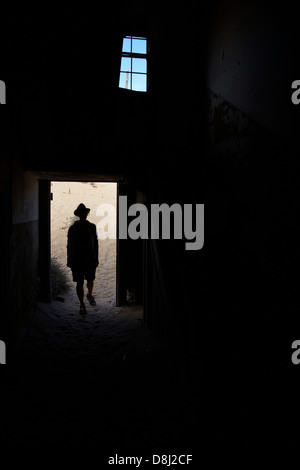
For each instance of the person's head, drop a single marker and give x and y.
(82, 211)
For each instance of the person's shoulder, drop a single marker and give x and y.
(91, 225)
(73, 226)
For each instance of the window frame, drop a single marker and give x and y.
(135, 55)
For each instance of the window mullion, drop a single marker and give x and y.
(131, 62)
(136, 55)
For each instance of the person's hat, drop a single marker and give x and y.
(81, 209)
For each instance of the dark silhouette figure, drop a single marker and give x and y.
(82, 250)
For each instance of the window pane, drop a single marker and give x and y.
(124, 80)
(126, 64)
(139, 82)
(126, 45)
(139, 65)
(139, 46)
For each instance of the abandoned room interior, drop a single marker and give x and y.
(196, 112)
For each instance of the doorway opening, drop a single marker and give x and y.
(65, 198)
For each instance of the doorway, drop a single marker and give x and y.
(124, 262)
(65, 197)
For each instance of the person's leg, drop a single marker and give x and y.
(78, 277)
(79, 291)
(90, 286)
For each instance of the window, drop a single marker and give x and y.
(133, 72)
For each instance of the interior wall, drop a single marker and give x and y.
(250, 189)
(251, 156)
(5, 199)
(250, 57)
(24, 246)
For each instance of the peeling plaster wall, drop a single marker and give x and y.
(4, 238)
(24, 244)
(253, 183)
(250, 60)
(230, 131)
(25, 201)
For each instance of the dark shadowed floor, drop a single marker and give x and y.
(102, 381)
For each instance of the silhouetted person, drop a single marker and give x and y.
(82, 250)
